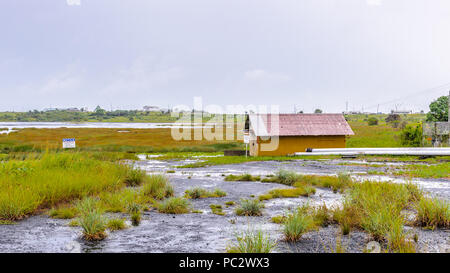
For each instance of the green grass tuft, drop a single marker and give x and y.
(252, 242)
(250, 207)
(433, 213)
(174, 205)
(116, 224)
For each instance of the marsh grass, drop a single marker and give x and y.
(197, 193)
(134, 177)
(91, 220)
(7, 222)
(284, 177)
(174, 205)
(28, 186)
(230, 203)
(433, 213)
(158, 187)
(338, 183)
(297, 224)
(134, 209)
(249, 207)
(252, 241)
(64, 212)
(299, 190)
(157, 140)
(441, 170)
(217, 209)
(116, 224)
(279, 219)
(376, 208)
(243, 177)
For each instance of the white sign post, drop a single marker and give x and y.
(246, 141)
(68, 143)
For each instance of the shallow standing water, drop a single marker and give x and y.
(207, 232)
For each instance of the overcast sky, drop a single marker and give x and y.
(308, 53)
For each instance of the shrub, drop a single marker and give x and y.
(252, 242)
(372, 121)
(157, 186)
(393, 118)
(411, 136)
(249, 207)
(174, 205)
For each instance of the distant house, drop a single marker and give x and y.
(296, 132)
(151, 109)
(72, 109)
(401, 112)
(50, 109)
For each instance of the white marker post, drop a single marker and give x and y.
(69, 143)
(246, 141)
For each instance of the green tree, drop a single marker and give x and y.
(438, 110)
(99, 111)
(318, 111)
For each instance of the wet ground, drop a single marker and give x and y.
(207, 232)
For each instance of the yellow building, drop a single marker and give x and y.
(286, 134)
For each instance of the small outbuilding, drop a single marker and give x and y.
(285, 134)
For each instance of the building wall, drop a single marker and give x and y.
(292, 144)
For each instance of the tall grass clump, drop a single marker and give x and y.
(91, 220)
(250, 207)
(134, 209)
(284, 177)
(174, 205)
(116, 224)
(297, 224)
(197, 193)
(28, 186)
(158, 187)
(376, 208)
(134, 177)
(252, 241)
(433, 213)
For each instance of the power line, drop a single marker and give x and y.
(411, 95)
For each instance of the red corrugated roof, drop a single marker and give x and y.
(300, 125)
